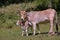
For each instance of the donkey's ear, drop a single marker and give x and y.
(26, 11)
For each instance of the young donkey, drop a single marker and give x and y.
(24, 26)
(35, 17)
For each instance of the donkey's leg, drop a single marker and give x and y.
(34, 28)
(38, 28)
(26, 31)
(22, 32)
(51, 28)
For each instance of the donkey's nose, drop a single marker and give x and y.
(22, 19)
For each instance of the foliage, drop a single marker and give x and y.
(43, 4)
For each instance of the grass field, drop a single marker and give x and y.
(15, 34)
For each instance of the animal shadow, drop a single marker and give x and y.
(58, 33)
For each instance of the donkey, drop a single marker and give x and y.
(24, 26)
(35, 17)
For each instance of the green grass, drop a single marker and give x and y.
(15, 34)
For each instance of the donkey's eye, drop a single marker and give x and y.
(24, 14)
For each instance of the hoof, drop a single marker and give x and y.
(39, 32)
(34, 34)
(51, 33)
(27, 35)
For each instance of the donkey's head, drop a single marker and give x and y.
(23, 14)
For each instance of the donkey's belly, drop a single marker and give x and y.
(41, 19)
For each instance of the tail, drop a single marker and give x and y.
(56, 23)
